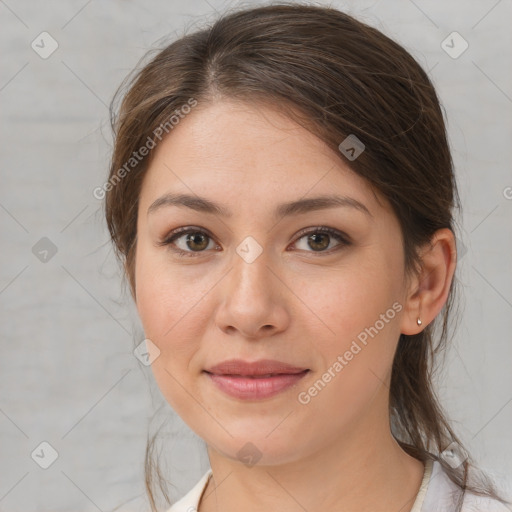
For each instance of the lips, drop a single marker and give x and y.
(254, 380)
(262, 368)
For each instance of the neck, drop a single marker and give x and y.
(363, 470)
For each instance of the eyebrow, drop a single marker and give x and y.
(301, 206)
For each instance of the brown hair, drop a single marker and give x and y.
(336, 76)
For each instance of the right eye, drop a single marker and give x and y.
(191, 237)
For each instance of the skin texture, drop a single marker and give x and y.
(294, 303)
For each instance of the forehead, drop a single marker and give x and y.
(247, 155)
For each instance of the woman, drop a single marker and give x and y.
(281, 195)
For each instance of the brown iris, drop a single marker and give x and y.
(314, 238)
(197, 238)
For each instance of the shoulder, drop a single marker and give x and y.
(442, 496)
(190, 501)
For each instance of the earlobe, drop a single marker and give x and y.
(431, 287)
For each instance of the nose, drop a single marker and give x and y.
(253, 299)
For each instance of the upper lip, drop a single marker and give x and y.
(261, 367)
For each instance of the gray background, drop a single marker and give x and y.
(67, 372)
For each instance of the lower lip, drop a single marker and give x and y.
(255, 388)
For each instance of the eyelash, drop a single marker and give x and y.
(178, 233)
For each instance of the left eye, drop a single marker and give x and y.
(317, 238)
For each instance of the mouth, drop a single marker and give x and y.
(261, 368)
(254, 376)
(253, 382)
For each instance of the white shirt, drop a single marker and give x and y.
(437, 493)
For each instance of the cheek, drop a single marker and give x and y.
(168, 308)
(347, 300)
(165, 296)
(359, 315)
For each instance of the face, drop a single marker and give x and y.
(247, 283)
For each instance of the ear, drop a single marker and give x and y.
(429, 290)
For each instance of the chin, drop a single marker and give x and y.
(262, 451)
(263, 441)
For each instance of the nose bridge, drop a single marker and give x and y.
(251, 266)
